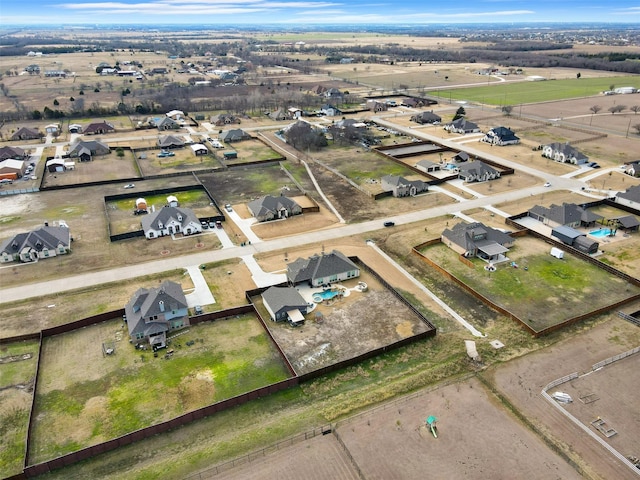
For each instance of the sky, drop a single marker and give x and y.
(298, 12)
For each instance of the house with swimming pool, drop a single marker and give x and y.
(323, 269)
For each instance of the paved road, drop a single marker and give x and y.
(339, 231)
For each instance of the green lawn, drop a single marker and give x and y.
(545, 293)
(112, 396)
(531, 92)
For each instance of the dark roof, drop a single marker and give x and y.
(44, 237)
(464, 124)
(319, 266)
(103, 126)
(476, 235)
(477, 167)
(628, 221)
(398, 181)
(11, 152)
(503, 133)
(566, 232)
(164, 215)
(279, 298)
(25, 132)
(631, 194)
(146, 303)
(170, 141)
(565, 214)
(94, 146)
(270, 204)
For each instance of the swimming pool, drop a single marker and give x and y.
(603, 232)
(325, 295)
(450, 166)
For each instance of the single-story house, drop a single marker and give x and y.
(44, 242)
(285, 304)
(175, 114)
(199, 149)
(25, 133)
(152, 312)
(158, 71)
(462, 126)
(564, 153)
(477, 171)
(279, 114)
(12, 168)
(428, 166)
(376, 106)
(478, 240)
(95, 147)
(234, 135)
(271, 208)
(324, 269)
(98, 128)
(500, 136)
(401, 187)
(12, 152)
(75, 128)
(426, 118)
(224, 119)
(169, 221)
(170, 141)
(630, 197)
(165, 123)
(567, 214)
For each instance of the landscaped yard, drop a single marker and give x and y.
(543, 290)
(113, 395)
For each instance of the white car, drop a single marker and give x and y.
(547, 184)
(129, 185)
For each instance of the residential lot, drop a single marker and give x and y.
(541, 290)
(111, 167)
(80, 407)
(348, 327)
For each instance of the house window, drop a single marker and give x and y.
(46, 252)
(139, 336)
(177, 324)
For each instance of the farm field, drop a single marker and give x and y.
(515, 93)
(80, 407)
(578, 287)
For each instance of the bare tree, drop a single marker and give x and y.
(617, 109)
(595, 109)
(635, 109)
(507, 109)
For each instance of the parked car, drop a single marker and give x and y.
(547, 184)
(389, 224)
(198, 310)
(228, 208)
(6, 180)
(130, 185)
(212, 224)
(166, 153)
(204, 224)
(218, 224)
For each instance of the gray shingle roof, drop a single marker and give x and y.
(44, 237)
(165, 215)
(270, 204)
(146, 303)
(319, 266)
(287, 298)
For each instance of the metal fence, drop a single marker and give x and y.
(615, 358)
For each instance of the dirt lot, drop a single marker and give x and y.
(351, 326)
(522, 379)
(476, 439)
(101, 168)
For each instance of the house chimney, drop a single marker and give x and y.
(46, 224)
